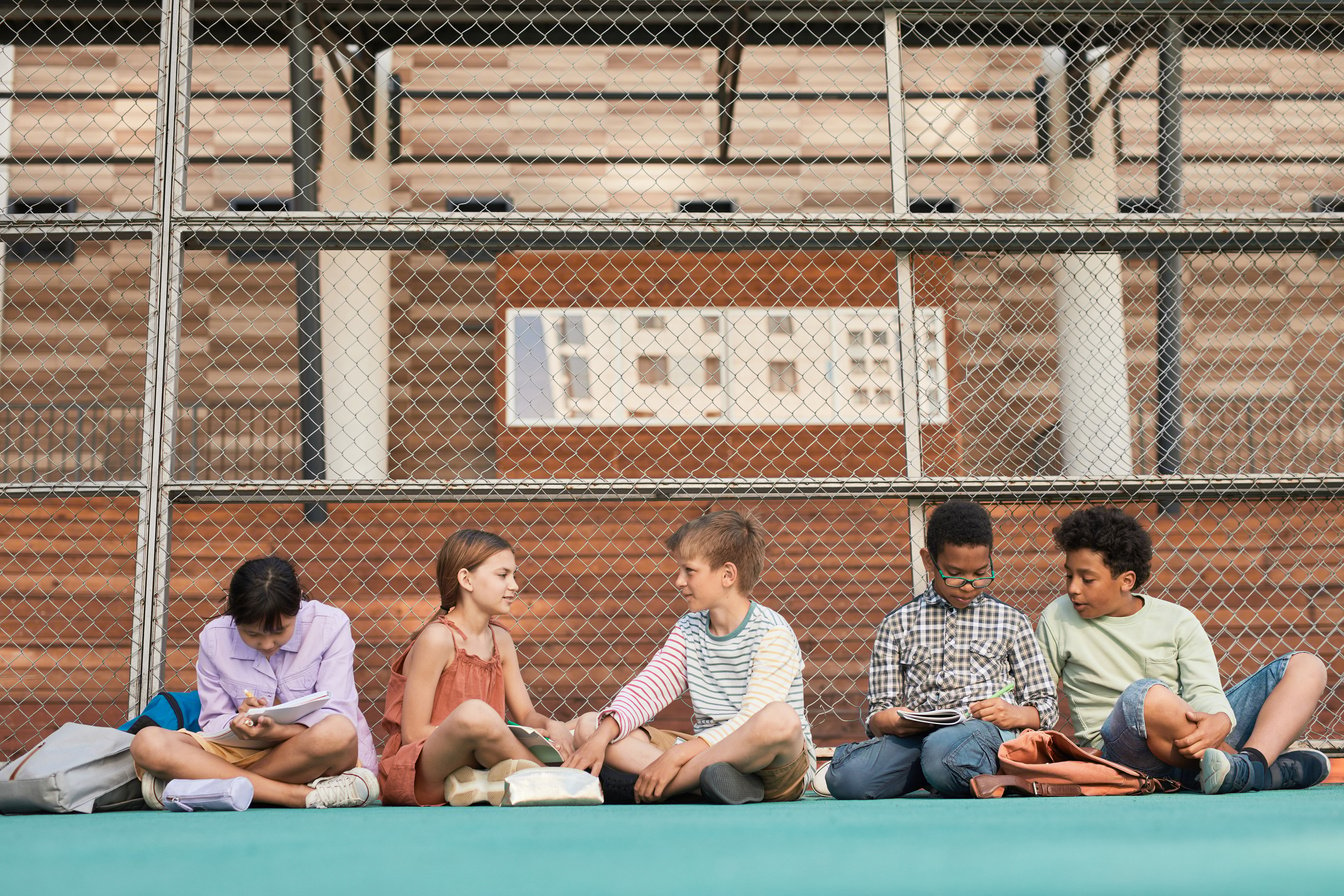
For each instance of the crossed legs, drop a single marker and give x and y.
(472, 735)
(1279, 720)
(772, 738)
(278, 778)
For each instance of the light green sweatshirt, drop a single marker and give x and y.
(1096, 659)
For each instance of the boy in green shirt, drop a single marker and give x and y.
(1142, 681)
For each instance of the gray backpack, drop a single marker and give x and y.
(78, 768)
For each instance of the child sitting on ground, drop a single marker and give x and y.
(1142, 681)
(953, 647)
(744, 670)
(271, 646)
(447, 737)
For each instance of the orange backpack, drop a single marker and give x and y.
(1047, 763)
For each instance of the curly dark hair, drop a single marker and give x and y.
(1123, 544)
(959, 523)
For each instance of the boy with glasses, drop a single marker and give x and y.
(956, 648)
(1142, 680)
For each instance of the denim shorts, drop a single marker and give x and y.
(1124, 737)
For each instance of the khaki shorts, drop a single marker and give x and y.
(783, 783)
(238, 757)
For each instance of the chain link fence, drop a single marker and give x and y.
(331, 283)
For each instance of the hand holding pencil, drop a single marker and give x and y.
(1002, 714)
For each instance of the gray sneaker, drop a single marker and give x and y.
(1298, 770)
(723, 784)
(151, 788)
(348, 790)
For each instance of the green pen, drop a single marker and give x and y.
(1000, 692)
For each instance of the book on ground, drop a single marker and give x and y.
(538, 743)
(940, 717)
(281, 713)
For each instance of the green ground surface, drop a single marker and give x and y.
(1182, 843)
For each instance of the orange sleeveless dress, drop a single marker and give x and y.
(467, 677)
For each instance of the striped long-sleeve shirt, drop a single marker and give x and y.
(730, 678)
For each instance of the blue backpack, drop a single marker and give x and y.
(175, 710)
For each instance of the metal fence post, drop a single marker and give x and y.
(150, 607)
(905, 298)
(1170, 186)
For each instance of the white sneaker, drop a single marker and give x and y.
(151, 788)
(348, 790)
(469, 786)
(819, 785)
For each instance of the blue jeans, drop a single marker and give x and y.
(944, 761)
(1124, 736)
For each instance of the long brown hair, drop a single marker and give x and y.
(464, 549)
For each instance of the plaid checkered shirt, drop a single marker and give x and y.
(929, 655)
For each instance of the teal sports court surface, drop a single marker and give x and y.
(1287, 842)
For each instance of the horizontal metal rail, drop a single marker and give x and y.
(617, 11)
(1028, 157)
(1006, 490)
(1003, 490)
(933, 233)
(676, 22)
(674, 96)
(19, 491)
(1045, 233)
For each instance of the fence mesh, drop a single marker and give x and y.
(478, 304)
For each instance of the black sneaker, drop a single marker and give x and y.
(725, 785)
(618, 787)
(1298, 769)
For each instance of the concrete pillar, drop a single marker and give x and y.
(1093, 374)
(356, 291)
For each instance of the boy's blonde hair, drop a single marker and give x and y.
(724, 536)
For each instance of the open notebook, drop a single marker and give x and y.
(538, 743)
(281, 713)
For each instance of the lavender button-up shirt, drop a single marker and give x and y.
(319, 657)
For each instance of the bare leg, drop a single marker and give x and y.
(632, 753)
(1289, 707)
(1164, 718)
(173, 754)
(327, 748)
(771, 738)
(473, 734)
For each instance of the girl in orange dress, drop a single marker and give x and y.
(450, 688)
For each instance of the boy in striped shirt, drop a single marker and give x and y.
(742, 666)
